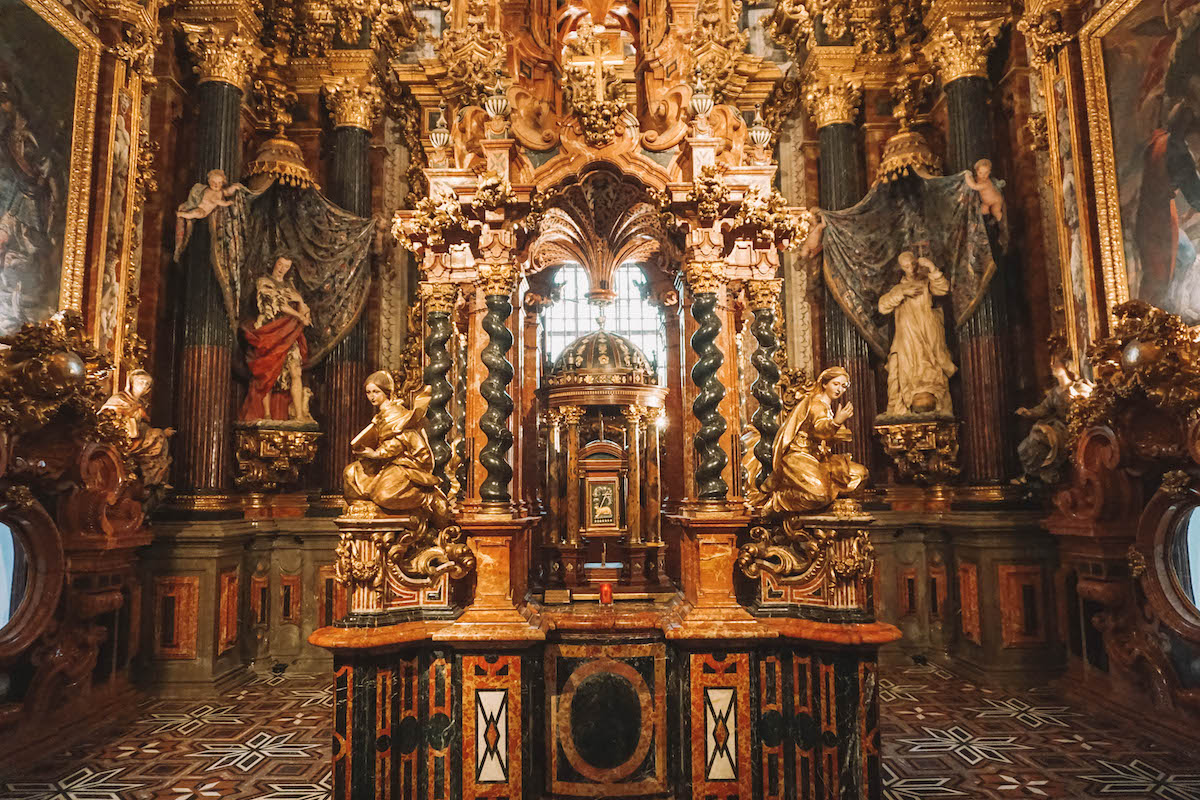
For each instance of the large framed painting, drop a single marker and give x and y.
(48, 77)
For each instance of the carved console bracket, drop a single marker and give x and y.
(398, 567)
(924, 452)
(813, 565)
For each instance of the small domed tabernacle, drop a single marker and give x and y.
(602, 357)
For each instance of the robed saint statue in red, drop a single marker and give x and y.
(276, 350)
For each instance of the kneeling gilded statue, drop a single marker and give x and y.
(805, 474)
(394, 466)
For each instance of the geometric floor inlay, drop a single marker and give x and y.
(943, 737)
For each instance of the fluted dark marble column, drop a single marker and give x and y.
(205, 405)
(343, 414)
(841, 186)
(987, 444)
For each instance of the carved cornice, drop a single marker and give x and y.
(959, 48)
(353, 103)
(221, 53)
(832, 99)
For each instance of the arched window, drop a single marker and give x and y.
(631, 314)
(637, 319)
(570, 316)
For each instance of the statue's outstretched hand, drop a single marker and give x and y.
(844, 413)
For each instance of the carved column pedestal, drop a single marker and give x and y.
(501, 550)
(708, 555)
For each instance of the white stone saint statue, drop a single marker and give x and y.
(918, 365)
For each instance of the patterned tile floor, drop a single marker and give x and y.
(944, 737)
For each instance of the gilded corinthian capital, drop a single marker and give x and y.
(353, 102)
(960, 48)
(831, 99)
(221, 53)
(439, 297)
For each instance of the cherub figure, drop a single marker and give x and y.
(990, 198)
(202, 201)
(204, 198)
(813, 242)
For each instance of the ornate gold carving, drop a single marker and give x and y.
(592, 90)
(221, 54)
(353, 103)
(1136, 561)
(1038, 130)
(472, 52)
(1151, 355)
(375, 555)
(498, 278)
(270, 458)
(960, 48)
(817, 560)
(763, 293)
(1176, 483)
(439, 297)
(704, 277)
(770, 221)
(48, 368)
(832, 100)
(492, 192)
(924, 452)
(429, 222)
(571, 415)
(1044, 34)
(274, 98)
(791, 27)
(709, 191)
(717, 43)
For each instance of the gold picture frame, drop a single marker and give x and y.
(1105, 168)
(1081, 302)
(75, 203)
(603, 496)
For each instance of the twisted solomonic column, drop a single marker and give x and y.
(705, 279)
(498, 281)
(439, 304)
(763, 295)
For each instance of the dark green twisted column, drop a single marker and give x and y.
(494, 422)
(204, 409)
(710, 456)
(765, 388)
(987, 433)
(439, 303)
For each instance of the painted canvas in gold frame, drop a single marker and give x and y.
(49, 66)
(1140, 58)
(1071, 211)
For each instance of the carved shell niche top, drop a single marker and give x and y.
(601, 357)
